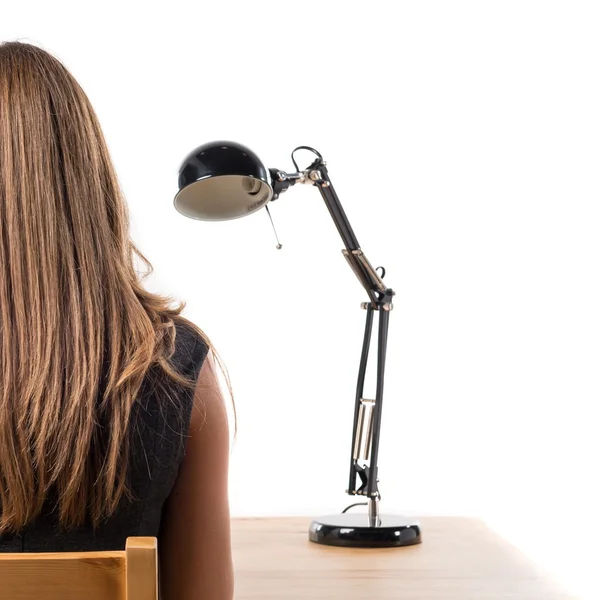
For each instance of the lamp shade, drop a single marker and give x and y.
(221, 180)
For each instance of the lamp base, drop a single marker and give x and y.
(353, 530)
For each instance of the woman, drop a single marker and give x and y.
(112, 423)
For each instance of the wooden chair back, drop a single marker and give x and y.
(131, 574)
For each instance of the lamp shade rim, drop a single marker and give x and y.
(177, 203)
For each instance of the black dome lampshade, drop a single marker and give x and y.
(222, 180)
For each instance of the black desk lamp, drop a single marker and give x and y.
(225, 180)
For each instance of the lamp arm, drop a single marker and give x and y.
(319, 175)
(316, 174)
(367, 275)
(367, 413)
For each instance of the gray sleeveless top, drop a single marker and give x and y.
(158, 435)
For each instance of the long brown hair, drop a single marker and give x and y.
(78, 332)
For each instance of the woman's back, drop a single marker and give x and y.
(159, 428)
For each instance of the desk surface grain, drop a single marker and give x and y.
(459, 559)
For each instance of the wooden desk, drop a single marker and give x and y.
(459, 559)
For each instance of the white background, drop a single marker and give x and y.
(464, 141)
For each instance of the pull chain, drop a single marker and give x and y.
(273, 226)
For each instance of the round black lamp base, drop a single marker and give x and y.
(353, 530)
